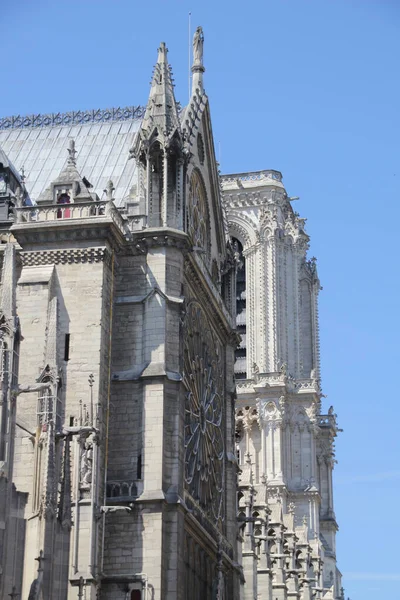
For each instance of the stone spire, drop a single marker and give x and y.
(161, 116)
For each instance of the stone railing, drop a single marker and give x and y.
(252, 176)
(60, 212)
(65, 212)
(307, 385)
(327, 421)
(119, 490)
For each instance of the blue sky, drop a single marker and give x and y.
(308, 87)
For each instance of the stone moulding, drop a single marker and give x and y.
(70, 256)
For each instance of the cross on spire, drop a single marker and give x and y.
(109, 191)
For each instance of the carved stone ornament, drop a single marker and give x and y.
(268, 411)
(204, 441)
(198, 219)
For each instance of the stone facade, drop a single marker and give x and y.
(124, 472)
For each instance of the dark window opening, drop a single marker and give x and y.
(136, 595)
(241, 352)
(71, 421)
(63, 213)
(66, 346)
(139, 467)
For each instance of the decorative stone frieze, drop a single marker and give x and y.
(68, 256)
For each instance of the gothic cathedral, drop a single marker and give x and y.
(161, 429)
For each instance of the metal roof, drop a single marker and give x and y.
(102, 151)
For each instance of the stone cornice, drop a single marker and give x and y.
(142, 241)
(241, 198)
(29, 235)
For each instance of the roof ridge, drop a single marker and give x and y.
(79, 117)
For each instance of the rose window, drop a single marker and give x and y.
(204, 443)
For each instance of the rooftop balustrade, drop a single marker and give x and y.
(45, 213)
(252, 176)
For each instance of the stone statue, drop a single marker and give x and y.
(87, 463)
(198, 42)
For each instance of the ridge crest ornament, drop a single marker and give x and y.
(204, 442)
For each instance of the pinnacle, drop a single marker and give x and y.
(161, 111)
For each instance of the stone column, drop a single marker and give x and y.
(264, 572)
(249, 556)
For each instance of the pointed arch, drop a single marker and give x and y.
(198, 214)
(242, 229)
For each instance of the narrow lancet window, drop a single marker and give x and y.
(240, 354)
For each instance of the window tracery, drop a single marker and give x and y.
(204, 441)
(198, 214)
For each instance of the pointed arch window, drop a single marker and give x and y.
(241, 352)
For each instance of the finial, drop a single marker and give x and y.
(81, 587)
(40, 560)
(162, 53)
(198, 68)
(72, 153)
(109, 190)
(291, 508)
(305, 520)
(22, 174)
(19, 196)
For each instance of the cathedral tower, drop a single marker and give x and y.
(285, 443)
